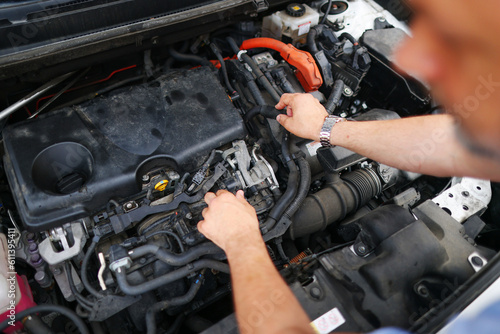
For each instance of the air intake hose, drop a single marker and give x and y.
(341, 196)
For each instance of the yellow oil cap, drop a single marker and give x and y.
(160, 186)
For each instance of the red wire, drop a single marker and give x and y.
(27, 110)
(86, 85)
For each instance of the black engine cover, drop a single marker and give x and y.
(68, 164)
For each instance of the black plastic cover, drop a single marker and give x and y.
(68, 164)
(383, 86)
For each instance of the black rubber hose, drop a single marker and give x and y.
(293, 180)
(84, 302)
(35, 325)
(281, 251)
(266, 111)
(261, 77)
(176, 259)
(256, 70)
(305, 184)
(252, 113)
(172, 234)
(85, 263)
(335, 96)
(134, 290)
(350, 38)
(177, 301)
(257, 95)
(249, 81)
(311, 38)
(80, 325)
(273, 83)
(187, 58)
(283, 81)
(233, 45)
(327, 12)
(218, 55)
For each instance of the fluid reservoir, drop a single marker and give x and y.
(294, 22)
(15, 293)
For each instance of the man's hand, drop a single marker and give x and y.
(231, 223)
(229, 220)
(304, 115)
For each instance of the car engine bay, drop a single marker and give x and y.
(105, 168)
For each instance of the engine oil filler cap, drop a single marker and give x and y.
(160, 186)
(295, 10)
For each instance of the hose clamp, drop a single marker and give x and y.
(240, 53)
(123, 263)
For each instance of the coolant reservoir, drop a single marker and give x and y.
(294, 22)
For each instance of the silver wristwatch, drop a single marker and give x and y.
(326, 130)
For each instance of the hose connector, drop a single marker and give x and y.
(119, 258)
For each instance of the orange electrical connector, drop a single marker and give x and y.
(307, 71)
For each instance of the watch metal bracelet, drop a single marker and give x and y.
(326, 130)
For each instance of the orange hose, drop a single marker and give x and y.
(307, 71)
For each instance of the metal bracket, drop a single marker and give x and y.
(261, 171)
(261, 5)
(465, 198)
(61, 277)
(122, 221)
(477, 261)
(52, 256)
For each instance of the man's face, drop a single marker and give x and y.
(456, 49)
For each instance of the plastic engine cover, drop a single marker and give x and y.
(68, 164)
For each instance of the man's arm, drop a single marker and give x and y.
(425, 144)
(263, 301)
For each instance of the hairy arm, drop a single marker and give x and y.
(425, 144)
(263, 301)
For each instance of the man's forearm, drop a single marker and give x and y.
(426, 145)
(263, 301)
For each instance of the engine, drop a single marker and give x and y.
(106, 185)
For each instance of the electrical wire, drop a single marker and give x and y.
(327, 12)
(88, 84)
(33, 95)
(85, 263)
(84, 302)
(65, 88)
(334, 248)
(445, 187)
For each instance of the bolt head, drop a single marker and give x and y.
(422, 290)
(361, 249)
(348, 91)
(315, 292)
(477, 261)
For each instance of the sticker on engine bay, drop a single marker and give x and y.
(313, 147)
(304, 28)
(328, 322)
